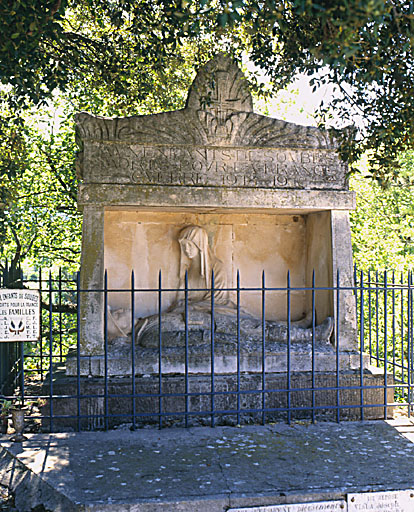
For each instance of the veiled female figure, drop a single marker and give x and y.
(200, 263)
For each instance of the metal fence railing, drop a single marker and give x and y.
(243, 371)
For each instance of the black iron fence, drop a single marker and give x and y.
(217, 366)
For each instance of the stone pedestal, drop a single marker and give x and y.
(147, 402)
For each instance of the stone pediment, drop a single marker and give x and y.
(215, 141)
(203, 128)
(219, 112)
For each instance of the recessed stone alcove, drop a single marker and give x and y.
(251, 243)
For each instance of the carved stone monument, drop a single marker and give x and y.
(213, 192)
(213, 187)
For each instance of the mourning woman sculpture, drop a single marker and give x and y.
(199, 262)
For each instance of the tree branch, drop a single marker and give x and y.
(57, 175)
(60, 308)
(18, 253)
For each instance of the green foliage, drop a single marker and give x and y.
(133, 49)
(5, 406)
(127, 46)
(136, 57)
(384, 306)
(39, 219)
(383, 223)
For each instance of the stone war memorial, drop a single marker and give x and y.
(210, 207)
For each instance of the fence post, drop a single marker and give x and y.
(8, 350)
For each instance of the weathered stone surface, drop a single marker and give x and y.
(318, 506)
(225, 359)
(215, 141)
(343, 269)
(173, 331)
(200, 165)
(205, 469)
(92, 278)
(176, 198)
(147, 242)
(173, 403)
(213, 167)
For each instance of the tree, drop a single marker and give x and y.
(38, 217)
(39, 221)
(383, 223)
(139, 56)
(363, 47)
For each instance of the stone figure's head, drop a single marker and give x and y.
(119, 323)
(189, 248)
(193, 240)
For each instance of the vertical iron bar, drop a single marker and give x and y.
(60, 314)
(356, 294)
(385, 343)
(377, 315)
(186, 347)
(41, 325)
(288, 383)
(238, 347)
(133, 348)
(410, 338)
(106, 405)
(402, 330)
(159, 350)
(313, 346)
(393, 325)
(263, 348)
(78, 369)
(369, 317)
(212, 369)
(409, 342)
(338, 396)
(51, 351)
(361, 341)
(22, 390)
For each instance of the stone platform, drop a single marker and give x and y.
(225, 359)
(221, 469)
(147, 402)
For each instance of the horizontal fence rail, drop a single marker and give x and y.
(222, 377)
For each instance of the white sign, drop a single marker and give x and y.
(390, 501)
(19, 315)
(319, 506)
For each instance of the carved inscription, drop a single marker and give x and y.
(389, 501)
(320, 506)
(209, 166)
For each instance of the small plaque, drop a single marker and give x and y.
(390, 501)
(19, 315)
(318, 506)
